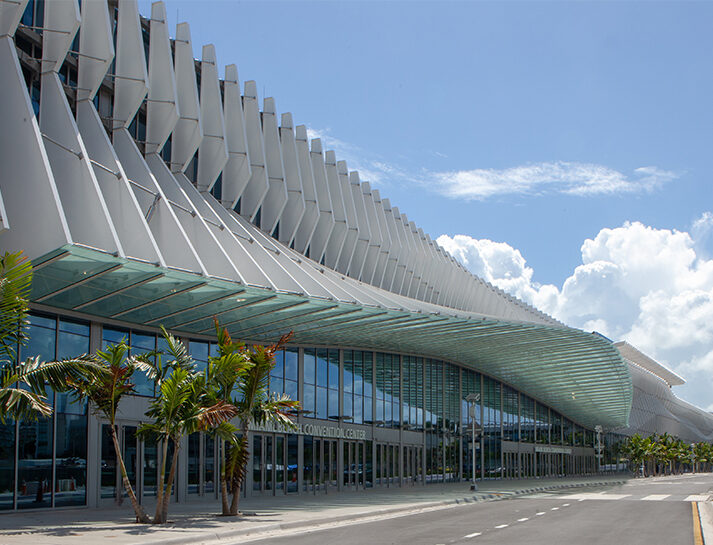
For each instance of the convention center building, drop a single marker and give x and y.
(149, 192)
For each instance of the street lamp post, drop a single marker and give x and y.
(598, 429)
(472, 399)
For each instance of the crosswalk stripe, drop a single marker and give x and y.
(697, 497)
(656, 497)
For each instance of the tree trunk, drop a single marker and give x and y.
(239, 481)
(161, 475)
(141, 515)
(169, 485)
(223, 482)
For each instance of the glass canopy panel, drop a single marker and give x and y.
(186, 320)
(282, 318)
(186, 300)
(102, 285)
(137, 296)
(66, 271)
(235, 320)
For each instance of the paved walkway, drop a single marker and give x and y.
(195, 522)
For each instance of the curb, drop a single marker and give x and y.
(492, 496)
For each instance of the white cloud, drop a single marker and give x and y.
(546, 178)
(647, 286)
(569, 178)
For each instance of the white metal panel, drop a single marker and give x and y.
(385, 240)
(61, 23)
(285, 270)
(426, 263)
(372, 252)
(395, 250)
(345, 257)
(132, 81)
(295, 208)
(309, 220)
(10, 15)
(85, 209)
(236, 173)
(276, 197)
(339, 232)
(188, 133)
(364, 236)
(96, 49)
(173, 243)
(213, 151)
(407, 254)
(4, 222)
(254, 194)
(213, 258)
(26, 181)
(162, 108)
(131, 227)
(325, 224)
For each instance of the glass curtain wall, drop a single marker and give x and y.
(492, 466)
(388, 377)
(52, 452)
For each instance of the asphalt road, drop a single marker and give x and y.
(645, 511)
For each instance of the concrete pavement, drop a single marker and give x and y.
(195, 522)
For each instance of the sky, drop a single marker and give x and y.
(560, 150)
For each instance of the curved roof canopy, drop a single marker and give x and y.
(580, 374)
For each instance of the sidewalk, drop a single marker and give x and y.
(195, 522)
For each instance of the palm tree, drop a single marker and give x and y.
(183, 406)
(105, 391)
(223, 375)
(255, 405)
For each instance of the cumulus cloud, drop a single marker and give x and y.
(547, 178)
(650, 287)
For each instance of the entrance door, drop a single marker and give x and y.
(110, 480)
(354, 465)
(324, 465)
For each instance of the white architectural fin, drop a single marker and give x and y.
(96, 49)
(188, 133)
(236, 173)
(132, 81)
(213, 151)
(162, 109)
(61, 23)
(10, 16)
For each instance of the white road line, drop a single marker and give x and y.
(555, 509)
(565, 505)
(655, 497)
(502, 526)
(540, 513)
(697, 497)
(523, 519)
(474, 534)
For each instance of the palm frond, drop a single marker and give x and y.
(15, 286)
(16, 404)
(210, 417)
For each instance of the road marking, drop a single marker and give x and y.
(502, 526)
(565, 505)
(655, 497)
(555, 509)
(697, 497)
(523, 519)
(540, 513)
(474, 534)
(697, 531)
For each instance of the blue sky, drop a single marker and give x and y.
(536, 125)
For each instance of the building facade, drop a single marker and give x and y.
(149, 192)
